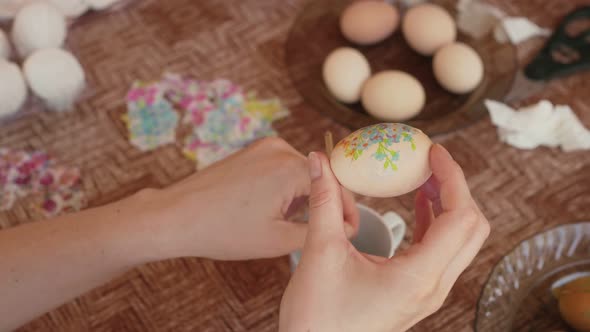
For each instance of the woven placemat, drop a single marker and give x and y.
(521, 192)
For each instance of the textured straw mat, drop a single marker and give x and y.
(521, 192)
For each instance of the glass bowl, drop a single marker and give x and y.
(517, 295)
(316, 33)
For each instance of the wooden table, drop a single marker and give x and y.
(521, 192)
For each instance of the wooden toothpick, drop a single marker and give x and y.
(329, 143)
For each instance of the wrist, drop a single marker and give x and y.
(142, 227)
(164, 223)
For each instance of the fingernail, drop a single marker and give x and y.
(444, 151)
(315, 166)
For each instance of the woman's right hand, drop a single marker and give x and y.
(337, 288)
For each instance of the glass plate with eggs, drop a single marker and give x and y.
(526, 290)
(316, 33)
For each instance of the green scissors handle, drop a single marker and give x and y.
(563, 54)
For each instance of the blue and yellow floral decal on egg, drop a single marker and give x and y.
(384, 135)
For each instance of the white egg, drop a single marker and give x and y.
(383, 160)
(71, 8)
(393, 95)
(344, 71)
(55, 76)
(36, 26)
(101, 4)
(13, 89)
(458, 68)
(5, 48)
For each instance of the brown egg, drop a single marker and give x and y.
(458, 68)
(575, 310)
(574, 303)
(428, 27)
(393, 95)
(368, 22)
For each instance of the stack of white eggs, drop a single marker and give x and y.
(38, 34)
(395, 95)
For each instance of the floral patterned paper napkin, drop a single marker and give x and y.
(222, 118)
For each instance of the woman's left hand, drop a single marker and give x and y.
(238, 208)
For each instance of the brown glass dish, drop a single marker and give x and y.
(316, 33)
(517, 295)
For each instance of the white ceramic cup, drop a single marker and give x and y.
(378, 235)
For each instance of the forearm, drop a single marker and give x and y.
(47, 263)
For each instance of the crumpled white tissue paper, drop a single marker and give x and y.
(518, 29)
(541, 124)
(476, 19)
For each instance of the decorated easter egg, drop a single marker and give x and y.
(382, 160)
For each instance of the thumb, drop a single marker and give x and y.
(325, 200)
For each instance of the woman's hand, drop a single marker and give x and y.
(337, 288)
(238, 208)
(234, 210)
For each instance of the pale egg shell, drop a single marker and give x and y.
(368, 22)
(36, 26)
(5, 48)
(383, 160)
(71, 8)
(13, 89)
(56, 76)
(458, 68)
(345, 70)
(393, 95)
(428, 27)
(101, 4)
